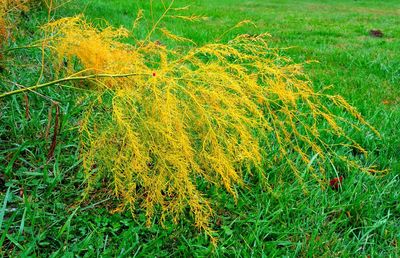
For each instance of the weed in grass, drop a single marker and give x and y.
(215, 113)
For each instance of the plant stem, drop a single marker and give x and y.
(75, 78)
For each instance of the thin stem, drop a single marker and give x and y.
(18, 48)
(37, 93)
(158, 21)
(43, 85)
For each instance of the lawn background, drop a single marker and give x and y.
(362, 219)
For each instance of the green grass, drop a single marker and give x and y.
(362, 219)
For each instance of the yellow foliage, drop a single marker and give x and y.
(215, 113)
(7, 8)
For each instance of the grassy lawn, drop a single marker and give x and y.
(40, 212)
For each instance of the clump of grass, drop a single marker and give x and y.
(165, 119)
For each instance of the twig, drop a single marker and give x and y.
(37, 93)
(56, 127)
(18, 48)
(77, 78)
(158, 21)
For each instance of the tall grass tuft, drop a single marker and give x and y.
(165, 120)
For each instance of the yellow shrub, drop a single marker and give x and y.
(214, 113)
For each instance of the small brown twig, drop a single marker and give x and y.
(56, 128)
